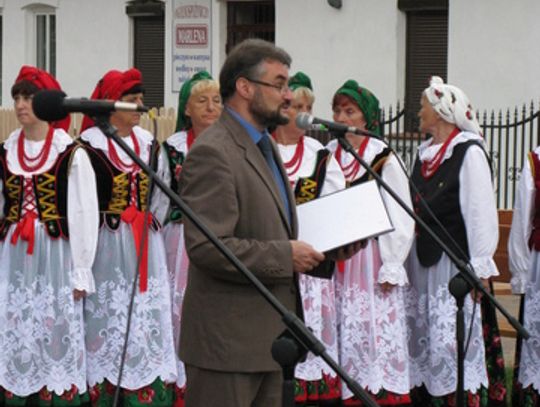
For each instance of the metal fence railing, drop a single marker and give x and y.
(509, 136)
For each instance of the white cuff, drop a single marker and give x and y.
(518, 283)
(393, 273)
(83, 280)
(484, 267)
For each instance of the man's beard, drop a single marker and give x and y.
(263, 115)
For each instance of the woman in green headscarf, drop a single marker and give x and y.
(199, 106)
(370, 290)
(312, 172)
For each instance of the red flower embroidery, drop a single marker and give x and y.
(70, 394)
(145, 396)
(497, 391)
(500, 362)
(473, 400)
(177, 171)
(469, 115)
(45, 394)
(109, 388)
(438, 93)
(94, 393)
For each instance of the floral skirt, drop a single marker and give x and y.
(495, 394)
(382, 398)
(324, 392)
(421, 397)
(496, 391)
(524, 397)
(45, 398)
(157, 394)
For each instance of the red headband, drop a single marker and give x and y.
(43, 81)
(113, 86)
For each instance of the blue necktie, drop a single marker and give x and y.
(265, 146)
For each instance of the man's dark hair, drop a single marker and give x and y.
(24, 88)
(245, 61)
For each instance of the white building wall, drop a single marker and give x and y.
(93, 36)
(493, 51)
(364, 40)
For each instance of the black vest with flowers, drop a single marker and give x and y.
(176, 161)
(441, 193)
(376, 164)
(50, 189)
(534, 239)
(309, 188)
(114, 188)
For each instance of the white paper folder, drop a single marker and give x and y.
(343, 217)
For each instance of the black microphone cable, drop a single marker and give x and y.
(142, 244)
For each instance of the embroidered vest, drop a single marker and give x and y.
(441, 193)
(377, 164)
(114, 188)
(534, 239)
(176, 160)
(50, 191)
(309, 188)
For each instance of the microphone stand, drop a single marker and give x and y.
(459, 285)
(294, 325)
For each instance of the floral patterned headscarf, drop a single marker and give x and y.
(452, 105)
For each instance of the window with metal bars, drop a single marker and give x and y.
(426, 50)
(149, 56)
(250, 19)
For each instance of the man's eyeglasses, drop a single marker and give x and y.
(281, 88)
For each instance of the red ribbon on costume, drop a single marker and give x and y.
(25, 230)
(135, 218)
(340, 265)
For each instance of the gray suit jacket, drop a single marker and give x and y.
(226, 324)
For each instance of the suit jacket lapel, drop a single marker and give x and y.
(255, 158)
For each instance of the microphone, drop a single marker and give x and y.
(306, 121)
(53, 105)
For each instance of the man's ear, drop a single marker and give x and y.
(244, 88)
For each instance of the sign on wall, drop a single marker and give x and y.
(192, 33)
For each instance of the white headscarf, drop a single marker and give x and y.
(452, 105)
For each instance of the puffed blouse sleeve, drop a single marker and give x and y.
(519, 254)
(83, 219)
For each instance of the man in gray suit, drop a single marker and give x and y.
(235, 182)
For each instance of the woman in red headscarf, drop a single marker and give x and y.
(48, 236)
(125, 239)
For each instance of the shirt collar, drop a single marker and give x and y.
(254, 133)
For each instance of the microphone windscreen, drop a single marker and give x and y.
(304, 121)
(48, 105)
